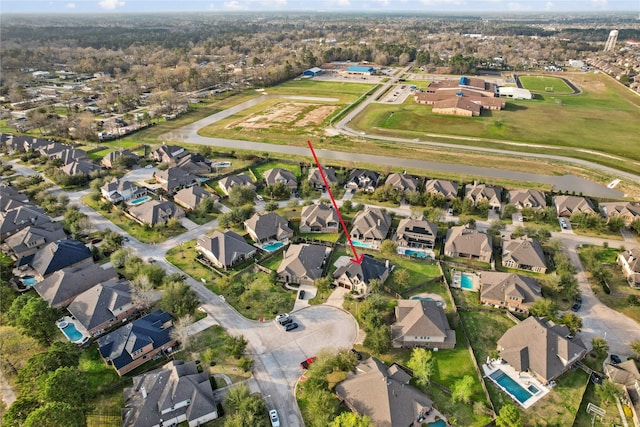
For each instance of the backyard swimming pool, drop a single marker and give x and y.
(272, 246)
(70, 331)
(439, 423)
(28, 280)
(439, 303)
(140, 200)
(415, 254)
(507, 384)
(466, 281)
(360, 244)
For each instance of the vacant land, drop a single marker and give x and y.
(545, 84)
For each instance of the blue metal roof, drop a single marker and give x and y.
(360, 69)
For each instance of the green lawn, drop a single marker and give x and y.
(184, 256)
(259, 170)
(346, 92)
(97, 155)
(545, 84)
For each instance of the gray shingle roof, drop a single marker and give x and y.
(316, 178)
(58, 255)
(499, 286)
(231, 181)
(448, 189)
(523, 251)
(464, 240)
(371, 224)
(568, 205)
(369, 269)
(420, 318)
(175, 177)
(27, 240)
(226, 247)
(528, 198)
(416, 230)
(191, 197)
(275, 175)
(267, 225)
(402, 182)
(319, 215)
(21, 217)
(303, 261)
(155, 211)
(101, 303)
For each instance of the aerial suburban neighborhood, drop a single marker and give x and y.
(247, 220)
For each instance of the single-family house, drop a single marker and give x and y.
(103, 305)
(62, 286)
(629, 260)
(118, 190)
(384, 395)
(225, 250)
(227, 183)
(421, 323)
(361, 179)
(357, 277)
(443, 187)
(56, 256)
(191, 197)
(541, 348)
(371, 226)
(402, 182)
(527, 198)
(302, 264)
(79, 167)
(278, 175)
(155, 212)
(523, 253)
(627, 377)
(69, 155)
(266, 226)
(137, 342)
(628, 211)
(110, 158)
(165, 153)
(173, 179)
(21, 217)
(193, 163)
(10, 198)
(416, 233)
(482, 192)
(319, 218)
(568, 205)
(31, 239)
(315, 177)
(465, 242)
(173, 394)
(507, 290)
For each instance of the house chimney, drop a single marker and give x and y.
(386, 264)
(144, 392)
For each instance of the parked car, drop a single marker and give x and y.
(281, 317)
(260, 198)
(615, 359)
(291, 326)
(356, 353)
(273, 416)
(576, 306)
(305, 363)
(286, 321)
(301, 294)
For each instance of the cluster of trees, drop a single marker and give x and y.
(236, 217)
(373, 314)
(244, 408)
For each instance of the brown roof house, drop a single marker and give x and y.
(465, 242)
(523, 253)
(371, 226)
(29, 240)
(319, 218)
(119, 190)
(627, 376)
(357, 277)
(568, 205)
(628, 211)
(630, 262)
(193, 163)
(402, 182)
(279, 175)
(511, 291)
(79, 167)
(103, 305)
(264, 227)
(448, 189)
(155, 212)
(191, 197)
(533, 199)
(316, 178)
(110, 158)
(480, 192)
(540, 348)
(302, 263)
(225, 250)
(383, 394)
(457, 106)
(173, 179)
(416, 233)
(165, 153)
(227, 183)
(421, 323)
(361, 179)
(174, 394)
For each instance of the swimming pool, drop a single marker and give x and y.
(466, 281)
(415, 254)
(439, 423)
(140, 200)
(438, 303)
(360, 244)
(507, 384)
(28, 280)
(272, 246)
(71, 332)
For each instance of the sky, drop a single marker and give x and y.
(423, 6)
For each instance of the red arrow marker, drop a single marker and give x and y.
(357, 258)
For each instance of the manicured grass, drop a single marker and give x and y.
(273, 262)
(97, 155)
(604, 234)
(545, 84)
(620, 291)
(184, 256)
(483, 330)
(261, 169)
(200, 220)
(347, 92)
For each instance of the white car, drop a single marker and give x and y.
(282, 317)
(273, 416)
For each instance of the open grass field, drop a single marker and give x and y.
(346, 92)
(545, 84)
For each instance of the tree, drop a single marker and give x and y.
(607, 392)
(571, 321)
(66, 385)
(19, 411)
(56, 414)
(237, 395)
(322, 406)
(615, 223)
(599, 345)
(401, 277)
(179, 299)
(180, 331)
(236, 346)
(350, 419)
(422, 364)
(246, 363)
(635, 347)
(509, 416)
(37, 320)
(543, 308)
(15, 349)
(378, 339)
(142, 293)
(388, 247)
(60, 354)
(241, 195)
(462, 390)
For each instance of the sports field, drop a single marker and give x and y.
(545, 84)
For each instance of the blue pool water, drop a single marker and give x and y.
(512, 387)
(415, 254)
(466, 281)
(439, 303)
(72, 333)
(29, 280)
(439, 423)
(360, 244)
(140, 200)
(272, 246)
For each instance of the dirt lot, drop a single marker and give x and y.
(291, 114)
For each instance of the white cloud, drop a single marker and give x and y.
(235, 5)
(548, 5)
(441, 2)
(602, 4)
(519, 7)
(384, 2)
(70, 6)
(110, 4)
